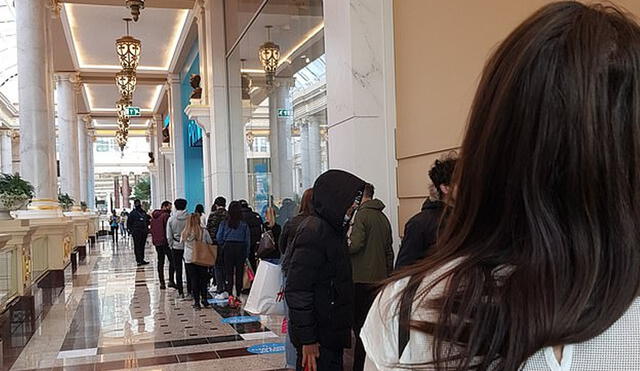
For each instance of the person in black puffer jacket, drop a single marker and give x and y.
(217, 215)
(255, 223)
(291, 227)
(319, 287)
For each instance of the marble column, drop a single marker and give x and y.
(177, 135)
(237, 124)
(153, 168)
(358, 38)
(160, 160)
(68, 134)
(217, 95)
(6, 165)
(304, 153)
(37, 148)
(280, 138)
(315, 155)
(83, 157)
(91, 170)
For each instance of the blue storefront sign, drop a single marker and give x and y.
(241, 319)
(267, 348)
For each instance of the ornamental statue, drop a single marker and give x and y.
(195, 84)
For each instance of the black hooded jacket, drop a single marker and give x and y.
(420, 233)
(319, 288)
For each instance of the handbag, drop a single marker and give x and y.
(248, 276)
(267, 295)
(204, 254)
(267, 247)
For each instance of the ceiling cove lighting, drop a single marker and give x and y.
(269, 55)
(313, 32)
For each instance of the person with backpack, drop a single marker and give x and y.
(114, 223)
(234, 237)
(193, 234)
(159, 220)
(217, 215)
(255, 223)
(138, 226)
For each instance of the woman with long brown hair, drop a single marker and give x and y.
(199, 275)
(538, 267)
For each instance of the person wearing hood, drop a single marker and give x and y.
(371, 249)
(159, 220)
(192, 234)
(175, 226)
(217, 215)
(138, 226)
(421, 231)
(319, 287)
(255, 223)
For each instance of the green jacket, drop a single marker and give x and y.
(371, 243)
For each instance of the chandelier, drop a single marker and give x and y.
(122, 134)
(269, 55)
(128, 50)
(121, 107)
(135, 6)
(126, 82)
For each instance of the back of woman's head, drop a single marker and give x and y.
(234, 214)
(192, 228)
(306, 203)
(546, 220)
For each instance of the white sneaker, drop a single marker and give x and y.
(213, 288)
(222, 296)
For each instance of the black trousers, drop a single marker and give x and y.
(235, 254)
(364, 295)
(329, 360)
(164, 251)
(218, 271)
(139, 240)
(199, 278)
(114, 234)
(177, 266)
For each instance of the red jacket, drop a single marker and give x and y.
(159, 220)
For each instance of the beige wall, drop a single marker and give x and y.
(440, 49)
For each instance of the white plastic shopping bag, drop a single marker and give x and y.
(266, 296)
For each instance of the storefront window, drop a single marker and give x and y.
(283, 113)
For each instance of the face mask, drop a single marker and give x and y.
(349, 214)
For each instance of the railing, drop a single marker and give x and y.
(39, 257)
(8, 274)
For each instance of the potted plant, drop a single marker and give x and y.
(65, 201)
(15, 193)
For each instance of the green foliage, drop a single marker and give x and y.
(16, 186)
(65, 201)
(142, 190)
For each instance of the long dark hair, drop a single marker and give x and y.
(542, 242)
(234, 216)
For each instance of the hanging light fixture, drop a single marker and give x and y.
(121, 107)
(128, 49)
(135, 6)
(245, 80)
(269, 55)
(126, 82)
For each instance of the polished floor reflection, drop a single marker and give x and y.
(116, 317)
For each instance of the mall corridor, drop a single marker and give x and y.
(113, 315)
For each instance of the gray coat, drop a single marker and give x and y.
(175, 226)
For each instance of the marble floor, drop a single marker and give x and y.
(115, 316)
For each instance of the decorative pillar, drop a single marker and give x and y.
(83, 156)
(315, 155)
(280, 138)
(216, 72)
(37, 149)
(153, 167)
(202, 47)
(66, 86)
(361, 94)
(91, 170)
(116, 193)
(304, 154)
(161, 174)
(6, 165)
(237, 124)
(177, 134)
(126, 192)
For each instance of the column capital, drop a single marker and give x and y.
(72, 77)
(173, 79)
(284, 81)
(55, 7)
(88, 120)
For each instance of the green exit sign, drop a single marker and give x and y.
(133, 111)
(284, 112)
